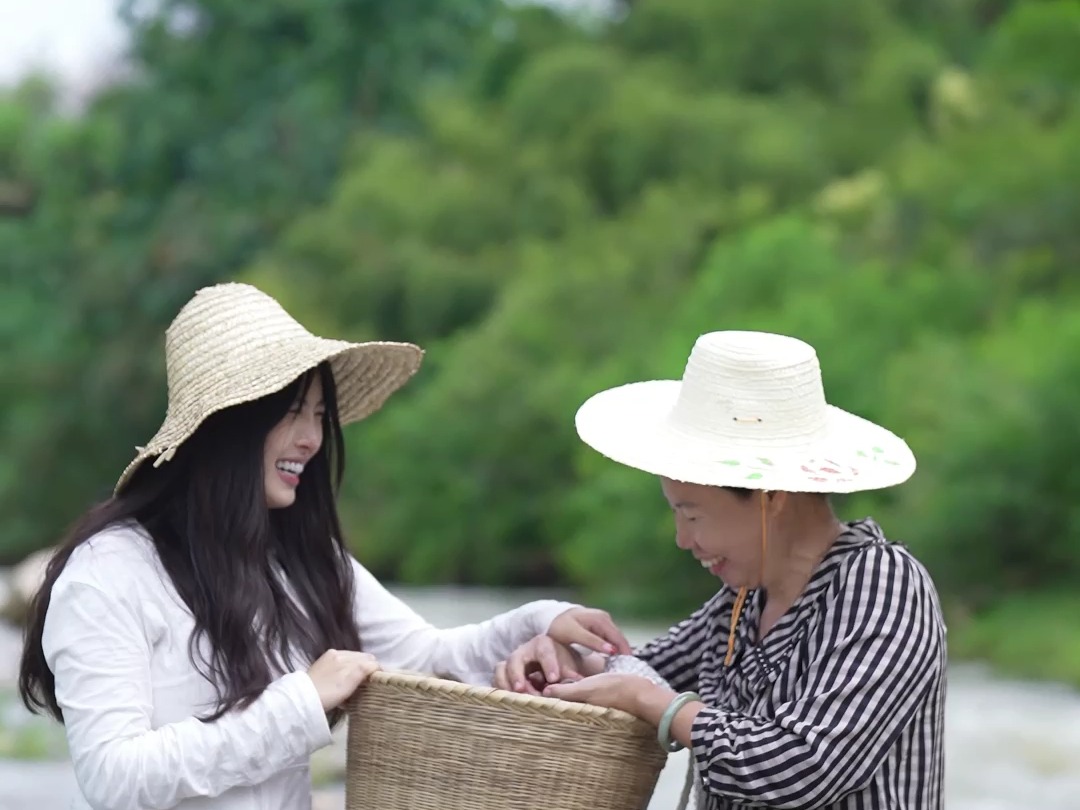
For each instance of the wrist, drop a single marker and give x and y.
(650, 701)
(546, 612)
(676, 724)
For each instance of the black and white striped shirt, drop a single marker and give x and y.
(840, 707)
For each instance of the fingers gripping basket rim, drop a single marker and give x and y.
(543, 706)
(420, 742)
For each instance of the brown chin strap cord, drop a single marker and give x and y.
(740, 600)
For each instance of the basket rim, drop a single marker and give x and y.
(554, 707)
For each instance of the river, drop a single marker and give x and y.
(1010, 745)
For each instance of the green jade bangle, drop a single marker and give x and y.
(663, 731)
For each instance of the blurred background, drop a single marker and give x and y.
(552, 199)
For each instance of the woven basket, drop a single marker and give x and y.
(421, 743)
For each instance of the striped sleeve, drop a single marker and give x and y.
(878, 653)
(676, 655)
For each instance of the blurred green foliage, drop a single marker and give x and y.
(551, 206)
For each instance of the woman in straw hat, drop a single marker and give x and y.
(198, 632)
(815, 677)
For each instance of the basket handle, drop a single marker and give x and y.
(688, 784)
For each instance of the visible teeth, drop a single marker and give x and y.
(711, 562)
(294, 467)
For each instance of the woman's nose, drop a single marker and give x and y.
(681, 540)
(309, 434)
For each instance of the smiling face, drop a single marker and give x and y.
(720, 528)
(290, 444)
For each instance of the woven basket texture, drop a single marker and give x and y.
(421, 743)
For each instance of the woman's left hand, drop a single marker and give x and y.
(590, 628)
(613, 690)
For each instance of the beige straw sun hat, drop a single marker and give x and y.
(232, 343)
(750, 412)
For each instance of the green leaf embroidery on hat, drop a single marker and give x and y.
(754, 476)
(877, 454)
(764, 461)
(731, 462)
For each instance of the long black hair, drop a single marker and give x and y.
(222, 547)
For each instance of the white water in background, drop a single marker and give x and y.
(1010, 745)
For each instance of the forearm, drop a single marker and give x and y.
(652, 701)
(739, 757)
(401, 639)
(732, 752)
(470, 653)
(159, 768)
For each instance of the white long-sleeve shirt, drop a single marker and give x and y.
(116, 638)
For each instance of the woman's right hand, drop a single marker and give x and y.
(338, 673)
(543, 661)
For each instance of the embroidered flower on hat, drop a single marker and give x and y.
(827, 470)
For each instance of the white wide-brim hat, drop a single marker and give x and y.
(232, 343)
(749, 412)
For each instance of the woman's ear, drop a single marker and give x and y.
(775, 502)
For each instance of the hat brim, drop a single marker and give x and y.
(365, 376)
(630, 424)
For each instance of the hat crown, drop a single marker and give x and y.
(218, 333)
(752, 389)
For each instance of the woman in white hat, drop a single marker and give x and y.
(198, 632)
(815, 677)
